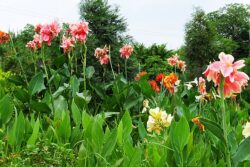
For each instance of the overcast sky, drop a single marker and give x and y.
(149, 21)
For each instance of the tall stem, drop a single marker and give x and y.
(126, 73)
(70, 64)
(224, 122)
(47, 77)
(111, 63)
(84, 66)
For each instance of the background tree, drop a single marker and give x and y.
(107, 27)
(232, 24)
(199, 41)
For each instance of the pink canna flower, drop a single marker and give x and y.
(67, 44)
(104, 59)
(98, 52)
(102, 55)
(31, 45)
(55, 28)
(173, 60)
(49, 31)
(126, 51)
(181, 65)
(234, 79)
(79, 31)
(212, 71)
(36, 43)
(202, 86)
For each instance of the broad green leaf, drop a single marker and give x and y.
(61, 105)
(109, 143)
(36, 84)
(142, 130)
(214, 128)
(40, 107)
(59, 91)
(16, 135)
(126, 126)
(34, 135)
(180, 134)
(131, 101)
(74, 85)
(86, 119)
(99, 91)
(6, 109)
(64, 131)
(90, 70)
(243, 152)
(76, 115)
(97, 136)
(22, 95)
(86, 96)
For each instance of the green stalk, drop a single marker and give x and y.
(126, 73)
(111, 64)
(47, 77)
(224, 122)
(70, 64)
(34, 61)
(84, 67)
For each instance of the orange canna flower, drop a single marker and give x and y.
(198, 123)
(169, 82)
(139, 75)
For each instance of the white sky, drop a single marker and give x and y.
(149, 21)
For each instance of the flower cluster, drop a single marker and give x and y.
(126, 51)
(234, 80)
(170, 81)
(76, 32)
(158, 120)
(102, 55)
(44, 33)
(4, 37)
(174, 61)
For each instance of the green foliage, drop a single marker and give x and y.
(199, 49)
(152, 59)
(232, 23)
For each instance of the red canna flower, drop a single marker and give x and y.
(160, 77)
(154, 85)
